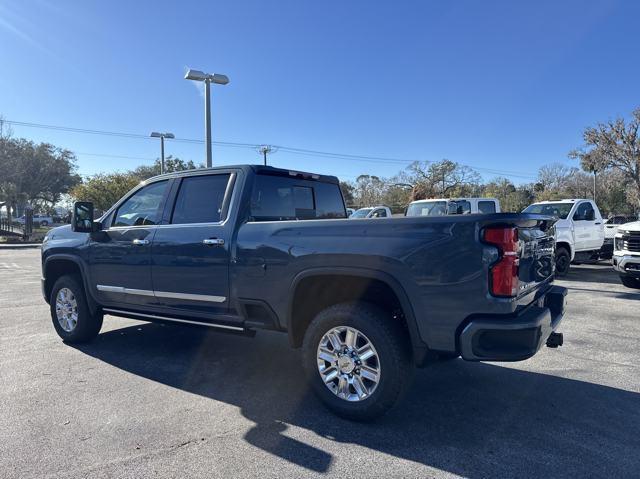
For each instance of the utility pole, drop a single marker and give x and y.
(265, 150)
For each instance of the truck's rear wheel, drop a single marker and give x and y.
(70, 314)
(563, 261)
(357, 359)
(630, 281)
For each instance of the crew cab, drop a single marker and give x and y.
(579, 230)
(453, 206)
(243, 248)
(626, 254)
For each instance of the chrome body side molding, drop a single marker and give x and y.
(162, 294)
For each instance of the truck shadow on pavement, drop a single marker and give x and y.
(601, 272)
(473, 419)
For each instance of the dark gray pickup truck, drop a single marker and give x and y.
(242, 248)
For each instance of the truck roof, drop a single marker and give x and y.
(564, 200)
(257, 169)
(455, 199)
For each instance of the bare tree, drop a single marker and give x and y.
(444, 178)
(613, 145)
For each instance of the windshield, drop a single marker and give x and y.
(559, 210)
(361, 213)
(427, 208)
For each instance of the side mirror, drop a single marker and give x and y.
(82, 217)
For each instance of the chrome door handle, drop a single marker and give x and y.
(213, 241)
(140, 242)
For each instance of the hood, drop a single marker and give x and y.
(634, 226)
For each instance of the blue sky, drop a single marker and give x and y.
(506, 86)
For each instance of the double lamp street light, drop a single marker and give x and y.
(207, 78)
(162, 136)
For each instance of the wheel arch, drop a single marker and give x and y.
(566, 245)
(59, 265)
(336, 285)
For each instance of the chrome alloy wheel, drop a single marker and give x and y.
(348, 363)
(66, 309)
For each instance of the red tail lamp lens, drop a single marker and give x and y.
(503, 275)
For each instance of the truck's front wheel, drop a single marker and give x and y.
(357, 359)
(70, 314)
(563, 261)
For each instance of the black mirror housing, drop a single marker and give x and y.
(82, 217)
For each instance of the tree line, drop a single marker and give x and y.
(41, 175)
(610, 153)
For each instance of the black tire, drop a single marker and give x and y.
(88, 325)
(389, 338)
(44, 223)
(563, 262)
(630, 281)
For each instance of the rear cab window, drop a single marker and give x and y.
(280, 198)
(486, 207)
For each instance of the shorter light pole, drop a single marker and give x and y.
(162, 136)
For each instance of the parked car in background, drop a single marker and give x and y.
(610, 230)
(626, 254)
(579, 230)
(38, 220)
(350, 211)
(372, 212)
(453, 206)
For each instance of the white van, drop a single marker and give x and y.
(453, 206)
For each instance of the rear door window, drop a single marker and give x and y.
(200, 199)
(276, 198)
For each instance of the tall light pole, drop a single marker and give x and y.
(207, 78)
(162, 136)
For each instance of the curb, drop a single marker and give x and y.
(20, 246)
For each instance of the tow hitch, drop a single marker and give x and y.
(554, 340)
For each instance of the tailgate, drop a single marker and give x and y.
(535, 247)
(537, 254)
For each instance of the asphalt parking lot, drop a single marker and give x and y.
(148, 400)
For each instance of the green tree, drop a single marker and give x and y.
(347, 189)
(35, 173)
(512, 198)
(103, 190)
(171, 164)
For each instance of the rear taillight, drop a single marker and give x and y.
(503, 274)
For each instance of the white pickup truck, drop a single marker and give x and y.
(453, 206)
(579, 230)
(626, 254)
